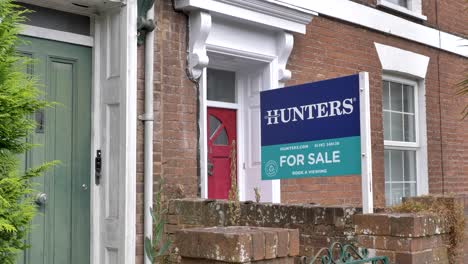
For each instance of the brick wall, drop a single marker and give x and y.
(332, 48)
(318, 226)
(238, 244)
(175, 113)
(404, 238)
(446, 15)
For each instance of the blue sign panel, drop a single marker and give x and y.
(311, 130)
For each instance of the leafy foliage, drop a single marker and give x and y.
(18, 101)
(156, 247)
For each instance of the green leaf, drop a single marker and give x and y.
(164, 248)
(149, 249)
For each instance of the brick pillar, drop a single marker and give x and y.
(238, 244)
(404, 238)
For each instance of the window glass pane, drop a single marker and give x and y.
(386, 95)
(410, 165)
(409, 125)
(398, 192)
(396, 165)
(408, 98)
(57, 20)
(221, 85)
(388, 194)
(396, 99)
(387, 165)
(403, 3)
(387, 125)
(396, 127)
(410, 190)
(214, 124)
(400, 175)
(221, 138)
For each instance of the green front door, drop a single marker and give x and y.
(61, 230)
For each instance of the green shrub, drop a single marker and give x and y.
(18, 101)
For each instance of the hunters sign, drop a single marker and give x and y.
(311, 130)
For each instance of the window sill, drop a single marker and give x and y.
(401, 9)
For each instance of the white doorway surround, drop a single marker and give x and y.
(114, 119)
(252, 38)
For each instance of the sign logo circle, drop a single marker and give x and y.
(271, 168)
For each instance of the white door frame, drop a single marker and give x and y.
(128, 95)
(94, 42)
(270, 68)
(57, 35)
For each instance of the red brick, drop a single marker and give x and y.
(294, 242)
(372, 224)
(271, 244)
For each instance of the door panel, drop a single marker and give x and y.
(61, 229)
(221, 135)
(115, 126)
(255, 81)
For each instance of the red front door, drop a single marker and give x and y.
(221, 135)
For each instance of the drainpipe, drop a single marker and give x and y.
(149, 61)
(146, 27)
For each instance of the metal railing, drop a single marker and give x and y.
(344, 254)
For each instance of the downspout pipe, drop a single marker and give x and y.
(148, 119)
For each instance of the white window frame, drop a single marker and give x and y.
(411, 68)
(404, 144)
(421, 165)
(414, 8)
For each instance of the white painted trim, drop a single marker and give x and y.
(402, 61)
(200, 26)
(366, 145)
(218, 104)
(274, 78)
(402, 144)
(407, 11)
(372, 18)
(285, 46)
(240, 127)
(203, 145)
(94, 6)
(131, 130)
(128, 255)
(422, 154)
(51, 34)
(95, 143)
(239, 53)
(272, 13)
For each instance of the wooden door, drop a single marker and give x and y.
(221, 135)
(61, 230)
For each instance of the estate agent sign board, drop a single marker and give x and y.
(318, 129)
